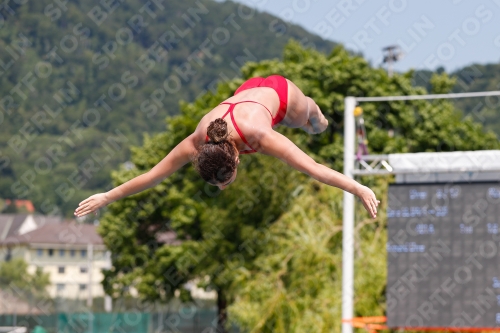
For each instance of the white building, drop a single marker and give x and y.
(73, 254)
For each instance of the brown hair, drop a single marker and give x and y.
(215, 160)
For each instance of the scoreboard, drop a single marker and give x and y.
(443, 255)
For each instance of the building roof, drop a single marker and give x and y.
(58, 234)
(47, 219)
(26, 204)
(11, 224)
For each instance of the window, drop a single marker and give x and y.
(83, 253)
(39, 252)
(83, 287)
(60, 286)
(61, 253)
(61, 269)
(83, 269)
(72, 253)
(51, 252)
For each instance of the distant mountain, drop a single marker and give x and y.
(81, 81)
(485, 110)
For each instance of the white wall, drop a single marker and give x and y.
(72, 277)
(28, 225)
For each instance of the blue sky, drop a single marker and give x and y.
(431, 33)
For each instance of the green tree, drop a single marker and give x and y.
(14, 274)
(273, 234)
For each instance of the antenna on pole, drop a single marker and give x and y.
(392, 54)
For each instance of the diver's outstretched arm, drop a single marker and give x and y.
(277, 145)
(178, 157)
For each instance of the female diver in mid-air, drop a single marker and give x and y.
(257, 106)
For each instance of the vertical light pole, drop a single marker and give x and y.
(393, 54)
(348, 217)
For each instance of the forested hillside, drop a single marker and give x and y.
(81, 81)
(485, 110)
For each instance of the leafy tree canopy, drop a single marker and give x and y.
(14, 274)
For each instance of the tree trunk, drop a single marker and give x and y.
(221, 312)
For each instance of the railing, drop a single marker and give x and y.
(190, 320)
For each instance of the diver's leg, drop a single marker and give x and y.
(302, 112)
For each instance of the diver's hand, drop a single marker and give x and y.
(92, 204)
(368, 199)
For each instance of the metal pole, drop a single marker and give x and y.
(108, 302)
(431, 96)
(89, 265)
(348, 218)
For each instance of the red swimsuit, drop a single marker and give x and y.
(276, 82)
